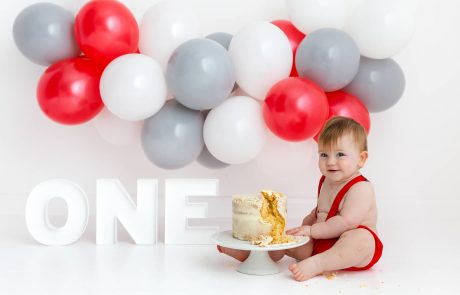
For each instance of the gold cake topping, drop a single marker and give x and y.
(270, 214)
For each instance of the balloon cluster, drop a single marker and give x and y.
(331, 58)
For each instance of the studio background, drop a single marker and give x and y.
(413, 146)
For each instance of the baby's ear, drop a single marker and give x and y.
(362, 158)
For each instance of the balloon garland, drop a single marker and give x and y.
(329, 59)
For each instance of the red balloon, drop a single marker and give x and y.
(346, 105)
(295, 109)
(294, 36)
(106, 29)
(68, 91)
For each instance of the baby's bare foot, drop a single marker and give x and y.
(240, 255)
(305, 270)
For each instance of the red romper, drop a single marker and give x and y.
(322, 245)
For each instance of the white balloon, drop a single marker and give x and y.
(234, 132)
(133, 87)
(262, 55)
(164, 27)
(311, 15)
(117, 131)
(382, 28)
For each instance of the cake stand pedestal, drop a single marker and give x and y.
(259, 261)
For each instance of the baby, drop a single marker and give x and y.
(342, 227)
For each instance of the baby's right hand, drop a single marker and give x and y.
(304, 230)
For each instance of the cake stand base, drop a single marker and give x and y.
(258, 261)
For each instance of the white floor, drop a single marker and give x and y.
(421, 256)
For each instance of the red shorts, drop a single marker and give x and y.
(319, 246)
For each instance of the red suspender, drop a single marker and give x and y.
(321, 184)
(319, 190)
(341, 193)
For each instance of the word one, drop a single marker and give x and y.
(114, 204)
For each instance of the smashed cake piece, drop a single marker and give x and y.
(258, 215)
(262, 240)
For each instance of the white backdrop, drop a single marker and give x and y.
(413, 146)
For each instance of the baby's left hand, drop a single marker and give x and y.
(303, 230)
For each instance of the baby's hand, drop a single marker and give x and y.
(303, 230)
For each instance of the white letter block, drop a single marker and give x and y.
(37, 218)
(178, 209)
(114, 203)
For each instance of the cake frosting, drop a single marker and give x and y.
(260, 218)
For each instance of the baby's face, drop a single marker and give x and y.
(342, 161)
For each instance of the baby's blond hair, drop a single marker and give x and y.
(337, 127)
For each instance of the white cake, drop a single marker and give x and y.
(260, 218)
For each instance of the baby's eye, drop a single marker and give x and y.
(340, 154)
(323, 155)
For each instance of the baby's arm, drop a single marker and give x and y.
(355, 208)
(304, 229)
(310, 218)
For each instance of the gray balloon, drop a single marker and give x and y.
(222, 38)
(329, 57)
(173, 137)
(379, 83)
(207, 160)
(44, 33)
(200, 74)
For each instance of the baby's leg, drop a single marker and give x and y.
(302, 252)
(299, 253)
(277, 255)
(354, 248)
(240, 255)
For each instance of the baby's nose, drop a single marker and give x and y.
(331, 161)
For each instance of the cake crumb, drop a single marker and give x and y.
(330, 275)
(262, 240)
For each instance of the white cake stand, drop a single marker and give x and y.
(258, 262)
